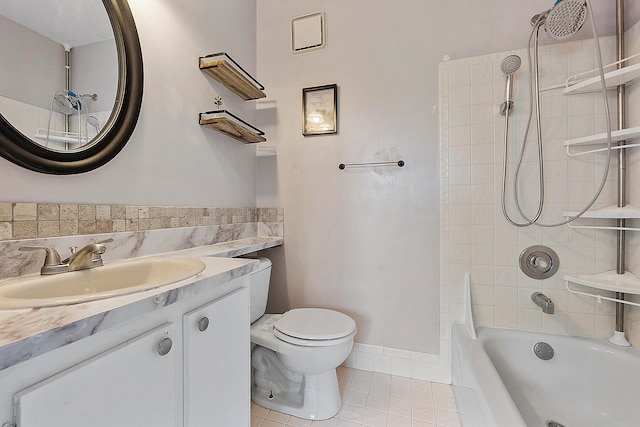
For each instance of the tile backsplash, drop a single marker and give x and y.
(45, 220)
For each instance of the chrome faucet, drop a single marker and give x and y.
(80, 259)
(87, 257)
(543, 301)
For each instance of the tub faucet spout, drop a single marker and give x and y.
(543, 301)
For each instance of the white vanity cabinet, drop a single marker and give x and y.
(133, 384)
(155, 368)
(216, 363)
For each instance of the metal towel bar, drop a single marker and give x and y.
(342, 166)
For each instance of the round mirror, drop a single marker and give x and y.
(71, 82)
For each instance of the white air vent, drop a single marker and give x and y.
(308, 33)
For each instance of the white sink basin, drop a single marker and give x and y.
(110, 280)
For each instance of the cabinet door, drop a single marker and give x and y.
(129, 385)
(217, 368)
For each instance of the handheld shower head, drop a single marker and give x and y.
(94, 122)
(509, 66)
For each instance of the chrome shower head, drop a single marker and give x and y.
(565, 18)
(92, 96)
(67, 102)
(510, 64)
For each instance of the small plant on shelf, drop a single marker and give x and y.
(218, 101)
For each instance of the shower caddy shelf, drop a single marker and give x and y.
(610, 212)
(225, 70)
(627, 283)
(620, 76)
(611, 281)
(601, 138)
(612, 79)
(61, 136)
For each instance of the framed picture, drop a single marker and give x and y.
(320, 110)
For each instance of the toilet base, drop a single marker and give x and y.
(319, 400)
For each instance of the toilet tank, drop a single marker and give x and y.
(259, 289)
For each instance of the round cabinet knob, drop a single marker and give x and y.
(203, 324)
(165, 346)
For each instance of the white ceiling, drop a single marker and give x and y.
(503, 25)
(74, 22)
(604, 12)
(79, 22)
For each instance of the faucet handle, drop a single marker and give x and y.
(109, 240)
(52, 258)
(52, 262)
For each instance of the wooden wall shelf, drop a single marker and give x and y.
(223, 68)
(231, 125)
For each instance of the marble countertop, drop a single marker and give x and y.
(233, 248)
(26, 333)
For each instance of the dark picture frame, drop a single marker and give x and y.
(320, 110)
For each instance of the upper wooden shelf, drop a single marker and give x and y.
(223, 68)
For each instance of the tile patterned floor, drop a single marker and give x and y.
(372, 399)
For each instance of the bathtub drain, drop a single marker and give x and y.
(545, 352)
(554, 424)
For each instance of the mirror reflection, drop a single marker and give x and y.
(59, 70)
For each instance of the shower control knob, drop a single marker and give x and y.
(539, 262)
(203, 324)
(165, 346)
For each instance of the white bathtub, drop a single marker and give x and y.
(498, 381)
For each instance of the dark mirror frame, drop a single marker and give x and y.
(17, 148)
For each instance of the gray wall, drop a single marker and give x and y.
(94, 69)
(31, 64)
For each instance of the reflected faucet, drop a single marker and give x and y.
(543, 301)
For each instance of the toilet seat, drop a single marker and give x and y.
(314, 327)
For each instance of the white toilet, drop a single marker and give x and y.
(294, 355)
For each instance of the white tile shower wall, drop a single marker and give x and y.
(29, 118)
(476, 238)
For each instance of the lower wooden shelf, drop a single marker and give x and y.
(231, 125)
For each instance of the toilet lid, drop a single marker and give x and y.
(315, 324)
